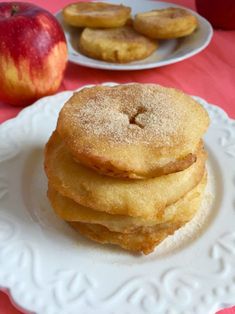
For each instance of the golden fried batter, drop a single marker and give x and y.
(138, 241)
(120, 45)
(139, 198)
(133, 131)
(166, 23)
(182, 210)
(96, 14)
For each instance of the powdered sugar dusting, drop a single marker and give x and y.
(133, 113)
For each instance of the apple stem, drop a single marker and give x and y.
(14, 9)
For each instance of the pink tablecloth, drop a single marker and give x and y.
(210, 75)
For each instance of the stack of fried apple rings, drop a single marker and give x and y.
(109, 33)
(126, 164)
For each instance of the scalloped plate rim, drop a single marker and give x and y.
(37, 104)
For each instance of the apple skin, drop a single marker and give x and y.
(221, 13)
(33, 53)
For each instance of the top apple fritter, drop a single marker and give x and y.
(135, 131)
(96, 14)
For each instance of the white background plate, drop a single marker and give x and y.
(50, 269)
(170, 51)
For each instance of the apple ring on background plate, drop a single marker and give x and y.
(166, 23)
(122, 44)
(96, 14)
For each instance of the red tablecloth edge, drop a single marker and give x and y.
(230, 310)
(8, 304)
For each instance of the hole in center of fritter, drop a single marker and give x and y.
(133, 118)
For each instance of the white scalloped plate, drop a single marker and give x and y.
(169, 51)
(50, 269)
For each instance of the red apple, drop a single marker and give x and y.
(221, 13)
(33, 53)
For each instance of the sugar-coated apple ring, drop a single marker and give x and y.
(135, 131)
(166, 23)
(96, 14)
